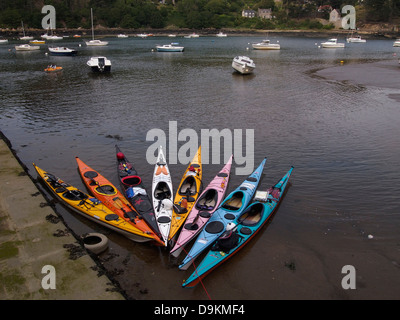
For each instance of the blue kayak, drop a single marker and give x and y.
(246, 225)
(234, 204)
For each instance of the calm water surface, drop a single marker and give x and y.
(342, 139)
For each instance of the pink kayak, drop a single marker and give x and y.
(206, 204)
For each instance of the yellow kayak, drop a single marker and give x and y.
(187, 194)
(89, 207)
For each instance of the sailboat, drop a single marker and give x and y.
(25, 37)
(94, 42)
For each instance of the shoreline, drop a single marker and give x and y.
(105, 32)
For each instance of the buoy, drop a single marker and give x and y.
(95, 242)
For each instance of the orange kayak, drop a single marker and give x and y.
(109, 195)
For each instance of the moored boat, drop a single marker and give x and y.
(135, 191)
(86, 205)
(243, 229)
(170, 48)
(243, 64)
(26, 47)
(186, 194)
(99, 64)
(355, 39)
(332, 43)
(206, 204)
(229, 210)
(94, 42)
(107, 193)
(162, 195)
(62, 51)
(266, 45)
(396, 43)
(37, 42)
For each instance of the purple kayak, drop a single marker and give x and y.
(206, 204)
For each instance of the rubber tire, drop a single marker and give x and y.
(100, 245)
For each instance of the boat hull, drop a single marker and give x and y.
(135, 191)
(86, 206)
(247, 225)
(230, 208)
(187, 193)
(203, 209)
(162, 196)
(107, 193)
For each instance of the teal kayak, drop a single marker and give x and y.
(246, 225)
(233, 206)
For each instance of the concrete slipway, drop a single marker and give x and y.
(28, 242)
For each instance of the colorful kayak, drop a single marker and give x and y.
(87, 206)
(135, 191)
(162, 196)
(245, 227)
(206, 204)
(107, 193)
(229, 210)
(187, 194)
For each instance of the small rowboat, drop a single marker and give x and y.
(187, 194)
(206, 204)
(135, 191)
(107, 193)
(245, 228)
(232, 207)
(162, 196)
(86, 205)
(53, 69)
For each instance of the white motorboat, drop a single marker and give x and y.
(332, 43)
(192, 35)
(99, 64)
(266, 45)
(26, 47)
(396, 43)
(62, 51)
(122, 36)
(355, 39)
(142, 35)
(173, 47)
(3, 41)
(94, 42)
(171, 35)
(221, 34)
(243, 64)
(53, 37)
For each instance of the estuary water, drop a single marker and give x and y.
(305, 106)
